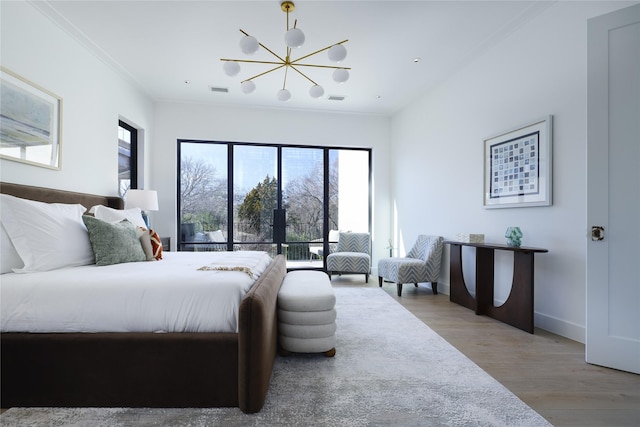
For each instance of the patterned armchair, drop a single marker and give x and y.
(353, 255)
(422, 264)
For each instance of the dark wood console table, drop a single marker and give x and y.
(517, 310)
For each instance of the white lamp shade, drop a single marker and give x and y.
(316, 91)
(337, 53)
(247, 86)
(249, 45)
(283, 95)
(231, 68)
(341, 75)
(146, 200)
(294, 38)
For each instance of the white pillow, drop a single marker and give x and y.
(9, 258)
(134, 215)
(216, 236)
(47, 236)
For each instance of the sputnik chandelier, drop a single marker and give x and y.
(293, 38)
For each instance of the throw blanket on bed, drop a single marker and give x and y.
(235, 261)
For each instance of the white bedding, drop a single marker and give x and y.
(170, 295)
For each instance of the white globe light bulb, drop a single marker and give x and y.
(231, 68)
(247, 86)
(316, 91)
(249, 45)
(337, 53)
(283, 95)
(340, 75)
(294, 38)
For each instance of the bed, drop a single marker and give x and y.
(132, 367)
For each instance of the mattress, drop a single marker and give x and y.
(183, 292)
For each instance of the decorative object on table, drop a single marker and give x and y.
(293, 38)
(517, 166)
(146, 200)
(30, 122)
(470, 238)
(514, 236)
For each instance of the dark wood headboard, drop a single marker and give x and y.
(49, 195)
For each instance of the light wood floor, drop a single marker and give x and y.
(548, 372)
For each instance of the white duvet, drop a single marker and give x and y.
(174, 294)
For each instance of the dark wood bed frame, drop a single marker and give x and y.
(144, 369)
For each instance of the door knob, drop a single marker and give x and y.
(597, 233)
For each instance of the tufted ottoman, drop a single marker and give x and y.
(307, 314)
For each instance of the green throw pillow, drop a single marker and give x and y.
(114, 243)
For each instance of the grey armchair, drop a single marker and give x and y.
(352, 255)
(422, 264)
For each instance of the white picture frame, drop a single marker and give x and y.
(518, 166)
(31, 116)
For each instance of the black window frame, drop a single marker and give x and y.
(230, 148)
(133, 146)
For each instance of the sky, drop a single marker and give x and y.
(255, 162)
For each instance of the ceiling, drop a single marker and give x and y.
(172, 49)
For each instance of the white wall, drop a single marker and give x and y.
(94, 97)
(194, 121)
(437, 162)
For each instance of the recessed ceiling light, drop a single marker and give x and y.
(187, 82)
(417, 59)
(218, 89)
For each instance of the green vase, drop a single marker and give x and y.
(514, 236)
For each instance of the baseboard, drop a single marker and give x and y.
(552, 324)
(560, 327)
(443, 288)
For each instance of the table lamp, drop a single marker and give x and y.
(146, 200)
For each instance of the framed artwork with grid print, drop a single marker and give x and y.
(518, 166)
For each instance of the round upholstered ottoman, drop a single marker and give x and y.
(307, 314)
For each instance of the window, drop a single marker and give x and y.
(275, 198)
(127, 158)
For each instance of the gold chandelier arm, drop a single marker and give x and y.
(321, 66)
(318, 51)
(263, 46)
(295, 24)
(251, 61)
(262, 74)
(286, 71)
(302, 74)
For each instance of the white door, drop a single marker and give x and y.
(613, 190)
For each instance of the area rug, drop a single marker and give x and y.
(390, 369)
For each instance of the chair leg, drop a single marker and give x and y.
(434, 286)
(416, 285)
(399, 289)
(380, 281)
(366, 278)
